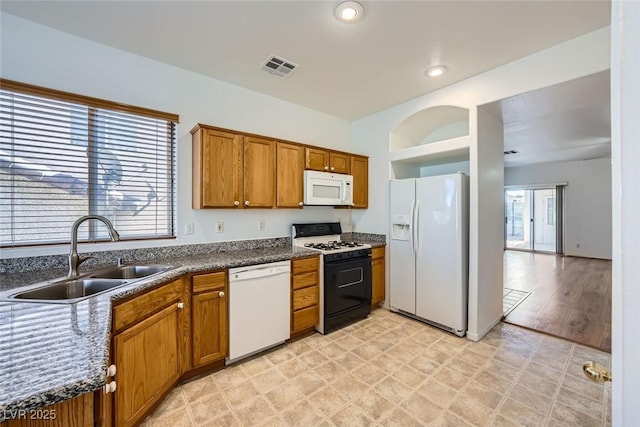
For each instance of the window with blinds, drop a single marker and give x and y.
(63, 156)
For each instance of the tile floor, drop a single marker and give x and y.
(389, 370)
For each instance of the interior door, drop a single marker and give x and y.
(402, 272)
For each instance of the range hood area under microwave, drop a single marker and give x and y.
(327, 189)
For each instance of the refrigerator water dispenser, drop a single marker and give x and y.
(400, 228)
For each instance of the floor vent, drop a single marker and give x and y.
(278, 66)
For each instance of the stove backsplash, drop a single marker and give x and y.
(363, 237)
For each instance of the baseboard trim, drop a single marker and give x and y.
(477, 337)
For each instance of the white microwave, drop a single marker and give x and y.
(328, 189)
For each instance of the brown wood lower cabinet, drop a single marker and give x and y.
(209, 318)
(377, 276)
(304, 294)
(77, 412)
(148, 360)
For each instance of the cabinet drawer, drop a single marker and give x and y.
(210, 281)
(305, 280)
(305, 297)
(377, 253)
(305, 264)
(305, 318)
(146, 304)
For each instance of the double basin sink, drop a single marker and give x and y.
(90, 284)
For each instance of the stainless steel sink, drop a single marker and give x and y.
(70, 289)
(86, 285)
(130, 271)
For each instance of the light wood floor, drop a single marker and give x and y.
(570, 297)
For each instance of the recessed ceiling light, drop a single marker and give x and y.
(349, 11)
(436, 71)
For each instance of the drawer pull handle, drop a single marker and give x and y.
(221, 294)
(111, 371)
(180, 305)
(236, 203)
(110, 387)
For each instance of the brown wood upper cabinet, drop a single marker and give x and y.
(360, 172)
(217, 168)
(231, 170)
(259, 172)
(339, 162)
(326, 160)
(289, 175)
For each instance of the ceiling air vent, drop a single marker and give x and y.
(506, 153)
(278, 66)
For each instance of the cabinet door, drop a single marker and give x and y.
(209, 326)
(360, 172)
(289, 175)
(220, 169)
(148, 357)
(377, 280)
(316, 159)
(339, 163)
(259, 173)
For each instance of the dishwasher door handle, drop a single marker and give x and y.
(259, 273)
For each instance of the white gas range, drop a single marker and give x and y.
(345, 274)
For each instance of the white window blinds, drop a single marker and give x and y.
(61, 158)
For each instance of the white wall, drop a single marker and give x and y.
(575, 58)
(587, 208)
(39, 55)
(625, 132)
(486, 215)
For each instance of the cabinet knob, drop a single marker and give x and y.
(110, 387)
(221, 294)
(300, 204)
(111, 371)
(326, 168)
(332, 168)
(236, 203)
(246, 203)
(180, 305)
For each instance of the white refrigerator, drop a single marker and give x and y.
(429, 250)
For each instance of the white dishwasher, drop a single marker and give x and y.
(259, 308)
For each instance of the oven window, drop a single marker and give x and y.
(349, 277)
(326, 191)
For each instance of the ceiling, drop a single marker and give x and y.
(346, 70)
(567, 121)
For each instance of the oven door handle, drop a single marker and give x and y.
(346, 285)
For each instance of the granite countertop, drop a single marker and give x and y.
(50, 352)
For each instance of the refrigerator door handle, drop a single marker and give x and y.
(416, 232)
(412, 245)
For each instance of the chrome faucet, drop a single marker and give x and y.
(74, 259)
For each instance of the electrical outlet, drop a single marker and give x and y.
(219, 227)
(188, 228)
(261, 225)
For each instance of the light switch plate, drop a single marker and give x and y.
(188, 228)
